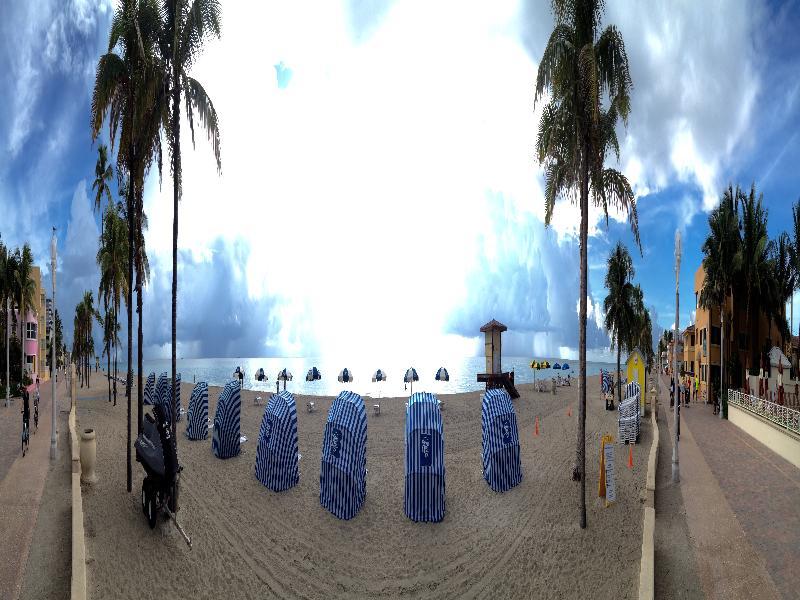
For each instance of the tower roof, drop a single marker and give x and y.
(494, 325)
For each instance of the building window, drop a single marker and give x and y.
(30, 331)
(715, 335)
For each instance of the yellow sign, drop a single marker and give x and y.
(606, 488)
(635, 371)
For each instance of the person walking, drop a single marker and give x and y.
(672, 392)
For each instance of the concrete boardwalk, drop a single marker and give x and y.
(741, 507)
(21, 484)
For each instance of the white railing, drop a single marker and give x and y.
(780, 415)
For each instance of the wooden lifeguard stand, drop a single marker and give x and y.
(494, 376)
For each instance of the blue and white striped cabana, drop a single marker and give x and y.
(177, 397)
(197, 416)
(424, 495)
(149, 389)
(502, 469)
(162, 395)
(343, 475)
(225, 441)
(276, 455)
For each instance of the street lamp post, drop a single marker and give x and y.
(675, 469)
(53, 440)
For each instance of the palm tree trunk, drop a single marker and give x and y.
(108, 373)
(724, 398)
(129, 373)
(579, 472)
(115, 351)
(176, 177)
(139, 277)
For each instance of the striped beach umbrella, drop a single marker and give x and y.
(313, 374)
(410, 377)
(261, 376)
(442, 375)
(379, 376)
(345, 376)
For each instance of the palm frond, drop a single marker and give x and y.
(197, 99)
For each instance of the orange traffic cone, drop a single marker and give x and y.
(630, 456)
(536, 426)
(569, 411)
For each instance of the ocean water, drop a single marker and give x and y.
(463, 373)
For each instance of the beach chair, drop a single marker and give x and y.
(424, 498)
(376, 408)
(197, 416)
(276, 455)
(343, 473)
(149, 389)
(226, 442)
(502, 468)
(311, 406)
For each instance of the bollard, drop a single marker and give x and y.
(88, 456)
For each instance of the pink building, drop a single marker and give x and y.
(32, 332)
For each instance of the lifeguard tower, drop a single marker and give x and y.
(494, 376)
(635, 370)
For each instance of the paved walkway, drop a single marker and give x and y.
(741, 508)
(21, 484)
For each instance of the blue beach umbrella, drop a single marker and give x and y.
(313, 374)
(410, 377)
(565, 367)
(442, 375)
(345, 376)
(261, 376)
(379, 376)
(556, 367)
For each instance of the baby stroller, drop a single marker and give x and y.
(157, 452)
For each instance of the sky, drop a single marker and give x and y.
(379, 190)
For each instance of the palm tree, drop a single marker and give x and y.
(186, 26)
(580, 68)
(781, 284)
(618, 305)
(722, 260)
(112, 257)
(129, 86)
(25, 292)
(754, 271)
(103, 173)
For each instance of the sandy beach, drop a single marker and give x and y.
(250, 542)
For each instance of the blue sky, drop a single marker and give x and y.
(379, 189)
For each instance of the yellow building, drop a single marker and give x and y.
(703, 357)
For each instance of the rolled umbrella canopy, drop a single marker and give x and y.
(442, 374)
(410, 377)
(313, 374)
(345, 376)
(379, 376)
(284, 375)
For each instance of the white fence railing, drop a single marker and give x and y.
(778, 414)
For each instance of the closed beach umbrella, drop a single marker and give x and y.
(345, 376)
(379, 376)
(442, 374)
(313, 374)
(284, 375)
(410, 377)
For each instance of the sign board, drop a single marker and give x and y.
(606, 488)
